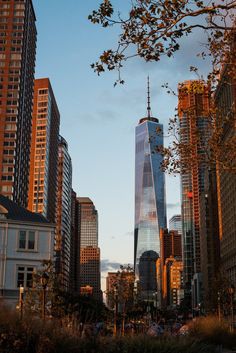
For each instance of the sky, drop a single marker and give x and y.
(98, 120)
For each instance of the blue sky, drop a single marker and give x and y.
(98, 120)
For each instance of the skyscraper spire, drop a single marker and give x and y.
(148, 99)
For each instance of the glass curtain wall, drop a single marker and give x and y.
(150, 203)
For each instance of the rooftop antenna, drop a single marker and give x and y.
(148, 98)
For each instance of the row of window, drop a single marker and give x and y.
(16, 13)
(16, 6)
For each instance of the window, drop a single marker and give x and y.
(19, 6)
(15, 64)
(7, 178)
(8, 152)
(43, 91)
(7, 188)
(25, 276)
(27, 240)
(18, 20)
(19, 13)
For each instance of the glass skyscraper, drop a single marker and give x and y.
(150, 203)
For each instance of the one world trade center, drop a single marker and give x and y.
(150, 202)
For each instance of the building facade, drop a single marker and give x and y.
(75, 245)
(225, 98)
(210, 241)
(26, 240)
(44, 151)
(90, 274)
(150, 202)
(171, 252)
(17, 64)
(175, 223)
(90, 270)
(193, 107)
(63, 221)
(173, 275)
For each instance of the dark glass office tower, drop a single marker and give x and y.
(150, 203)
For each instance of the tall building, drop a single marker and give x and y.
(44, 151)
(63, 223)
(150, 203)
(90, 270)
(171, 244)
(171, 253)
(225, 98)
(17, 63)
(209, 240)
(193, 107)
(89, 251)
(75, 245)
(173, 279)
(175, 223)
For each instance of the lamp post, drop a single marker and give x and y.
(21, 303)
(231, 292)
(44, 282)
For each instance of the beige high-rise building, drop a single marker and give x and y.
(44, 151)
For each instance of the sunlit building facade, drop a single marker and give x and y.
(74, 245)
(63, 222)
(17, 63)
(171, 251)
(89, 269)
(193, 107)
(173, 274)
(44, 151)
(150, 202)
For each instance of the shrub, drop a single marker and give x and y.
(32, 335)
(210, 330)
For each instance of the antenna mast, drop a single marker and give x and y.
(148, 99)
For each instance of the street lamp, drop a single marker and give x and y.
(44, 282)
(21, 303)
(231, 292)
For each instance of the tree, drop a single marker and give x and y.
(122, 293)
(54, 298)
(153, 28)
(209, 146)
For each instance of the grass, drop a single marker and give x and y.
(212, 331)
(32, 335)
